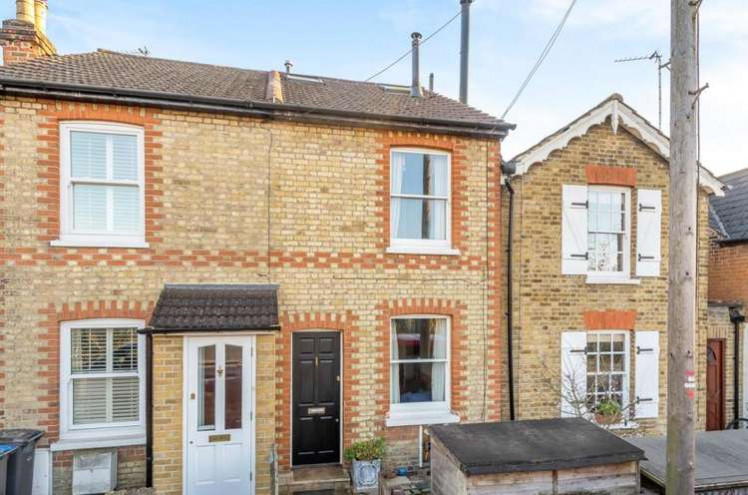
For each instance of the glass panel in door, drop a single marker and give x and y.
(206, 377)
(233, 410)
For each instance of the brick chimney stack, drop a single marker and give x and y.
(25, 37)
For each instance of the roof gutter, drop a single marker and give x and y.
(165, 331)
(248, 107)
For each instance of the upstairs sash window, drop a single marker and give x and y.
(102, 184)
(420, 199)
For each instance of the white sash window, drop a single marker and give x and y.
(102, 188)
(420, 202)
(102, 379)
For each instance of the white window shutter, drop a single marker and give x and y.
(648, 232)
(573, 373)
(647, 374)
(574, 231)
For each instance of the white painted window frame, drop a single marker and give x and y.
(421, 413)
(627, 362)
(92, 436)
(68, 235)
(623, 276)
(423, 246)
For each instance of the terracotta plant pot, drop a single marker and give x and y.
(607, 420)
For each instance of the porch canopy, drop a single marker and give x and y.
(721, 460)
(204, 308)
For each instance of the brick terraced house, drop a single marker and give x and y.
(209, 272)
(728, 294)
(589, 270)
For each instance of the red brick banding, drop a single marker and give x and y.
(611, 176)
(610, 319)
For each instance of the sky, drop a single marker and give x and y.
(356, 38)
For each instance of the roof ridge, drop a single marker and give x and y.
(106, 51)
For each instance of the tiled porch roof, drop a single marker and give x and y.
(205, 308)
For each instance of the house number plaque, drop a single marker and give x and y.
(219, 438)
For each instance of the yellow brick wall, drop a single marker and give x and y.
(319, 233)
(547, 303)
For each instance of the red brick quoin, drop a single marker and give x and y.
(49, 349)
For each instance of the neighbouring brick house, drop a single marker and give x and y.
(589, 270)
(728, 289)
(325, 255)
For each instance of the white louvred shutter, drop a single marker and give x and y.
(574, 230)
(647, 374)
(648, 232)
(573, 373)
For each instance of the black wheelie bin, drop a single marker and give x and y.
(20, 477)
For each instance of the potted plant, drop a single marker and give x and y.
(608, 412)
(366, 462)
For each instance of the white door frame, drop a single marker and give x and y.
(249, 401)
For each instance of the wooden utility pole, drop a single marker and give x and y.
(682, 300)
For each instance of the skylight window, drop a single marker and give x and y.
(310, 79)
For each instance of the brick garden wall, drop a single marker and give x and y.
(239, 200)
(547, 303)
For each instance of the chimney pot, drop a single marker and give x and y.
(431, 82)
(415, 88)
(288, 65)
(25, 11)
(40, 12)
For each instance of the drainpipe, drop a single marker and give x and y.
(508, 169)
(736, 318)
(149, 410)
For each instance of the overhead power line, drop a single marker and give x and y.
(401, 57)
(542, 57)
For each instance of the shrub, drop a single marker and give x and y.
(366, 450)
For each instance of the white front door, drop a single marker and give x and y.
(219, 406)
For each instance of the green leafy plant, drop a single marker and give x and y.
(608, 408)
(366, 450)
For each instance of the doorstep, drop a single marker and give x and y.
(327, 479)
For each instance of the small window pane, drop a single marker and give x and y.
(206, 368)
(90, 208)
(88, 350)
(125, 349)
(90, 400)
(233, 387)
(125, 157)
(419, 219)
(420, 382)
(126, 203)
(420, 174)
(606, 230)
(125, 399)
(420, 339)
(88, 155)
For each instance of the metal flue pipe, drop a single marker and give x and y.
(415, 87)
(464, 48)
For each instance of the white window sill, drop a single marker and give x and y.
(99, 442)
(627, 425)
(611, 280)
(94, 241)
(421, 418)
(443, 251)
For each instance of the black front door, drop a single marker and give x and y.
(316, 398)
